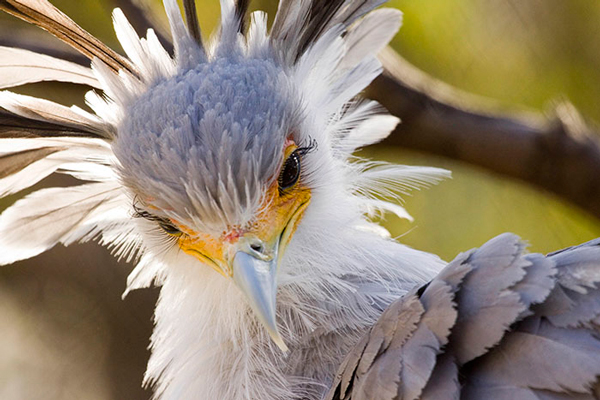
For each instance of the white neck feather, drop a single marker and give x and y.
(332, 285)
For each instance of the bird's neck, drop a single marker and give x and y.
(208, 344)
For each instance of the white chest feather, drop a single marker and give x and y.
(208, 344)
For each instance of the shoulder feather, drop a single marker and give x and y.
(504, 325)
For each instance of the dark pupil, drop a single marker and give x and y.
(290, 173)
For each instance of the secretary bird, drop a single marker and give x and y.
(226, 173)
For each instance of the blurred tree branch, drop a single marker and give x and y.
(559, 153)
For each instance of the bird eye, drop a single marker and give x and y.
(169, 228)
(290, 172)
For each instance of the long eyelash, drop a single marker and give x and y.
(141, 213)
(308, 148)
(170, 239)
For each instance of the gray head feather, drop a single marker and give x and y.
(207, 140)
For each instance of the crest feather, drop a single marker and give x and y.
(191, 19)
(57, 215)
(301, 23)
(20, 67)
(51, 19)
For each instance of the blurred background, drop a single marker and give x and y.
(65, 333)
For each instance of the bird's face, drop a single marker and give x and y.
(268, 233)
(227, 184)
(251, 254)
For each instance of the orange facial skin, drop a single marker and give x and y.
(274, 225)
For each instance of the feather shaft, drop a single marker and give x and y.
(49, 18)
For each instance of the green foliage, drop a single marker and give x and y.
(522, 54)
(474, 206)
(519, 52)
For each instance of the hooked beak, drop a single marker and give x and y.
(252, 256)
(255, 274)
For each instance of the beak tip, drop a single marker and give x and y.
(282, 346)
(257, 280)
(278, 340)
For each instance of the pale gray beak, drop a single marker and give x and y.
(255, 273)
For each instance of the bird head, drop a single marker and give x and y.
(224, 168)
(222, 150)
(226, 154)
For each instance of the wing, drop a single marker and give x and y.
(494, 324)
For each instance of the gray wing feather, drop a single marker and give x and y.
(579, 267)
(443, 382)
(486, 306)
(539, 356)
(419, 354)
(496, 324)
(376, 369)
(575, 301)
(396, 325)
(537, 283)
(348, 367)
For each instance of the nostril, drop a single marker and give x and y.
(258, 247)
